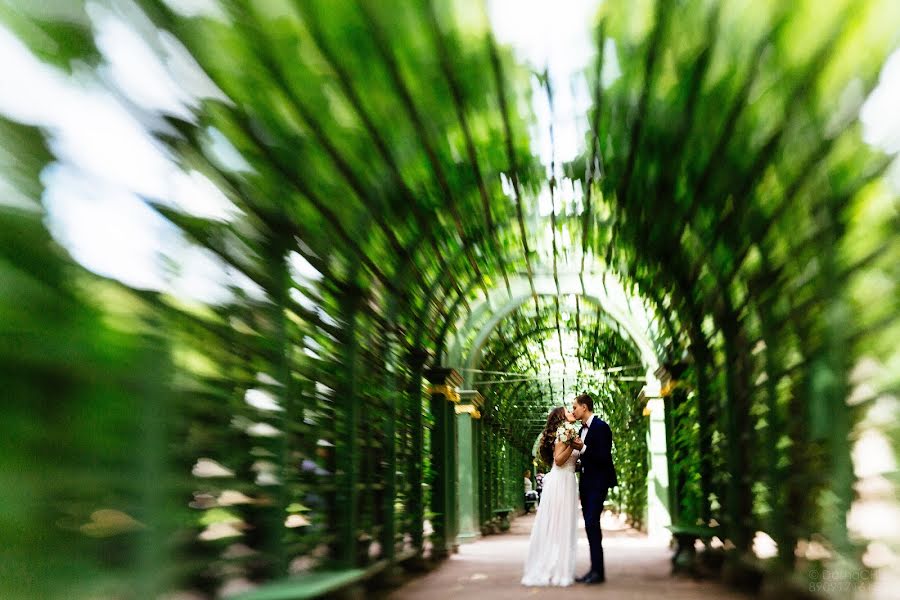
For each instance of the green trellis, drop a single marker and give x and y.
(385, 209)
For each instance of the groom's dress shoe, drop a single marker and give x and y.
(584, 577)
(594, 578)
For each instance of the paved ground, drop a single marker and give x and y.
(491, 568)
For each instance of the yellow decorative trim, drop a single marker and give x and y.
(669, 387)
(462, 409)
(450, 393)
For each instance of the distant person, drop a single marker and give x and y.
(531, 496)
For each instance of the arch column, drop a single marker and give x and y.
(444, 391)
(659, 501)
(468, 435)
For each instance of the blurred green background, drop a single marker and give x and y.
(237, 237)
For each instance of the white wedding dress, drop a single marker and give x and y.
(551, 550)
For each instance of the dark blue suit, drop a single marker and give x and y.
(597, 475)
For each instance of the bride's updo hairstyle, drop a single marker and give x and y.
(548, 440)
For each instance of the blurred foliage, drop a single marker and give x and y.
(386, 185)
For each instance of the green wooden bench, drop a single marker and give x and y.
(312, 585)
(321, 583)
(503, 515)
(685, 538)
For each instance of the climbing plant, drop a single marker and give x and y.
(336, 197)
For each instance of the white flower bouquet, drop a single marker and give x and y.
(567, 432)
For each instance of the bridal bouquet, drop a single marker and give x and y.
(567, 432)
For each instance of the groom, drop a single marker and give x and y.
(597, 475)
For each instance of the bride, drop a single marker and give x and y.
(551, 550)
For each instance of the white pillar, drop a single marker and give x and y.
(658, 515)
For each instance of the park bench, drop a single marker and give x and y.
(349, 582)
(502, 514)
(685, 538)
(313, 585)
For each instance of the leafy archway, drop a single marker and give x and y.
(372, 184)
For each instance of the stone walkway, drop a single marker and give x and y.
(491, 568)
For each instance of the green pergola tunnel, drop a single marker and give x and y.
(402, 286)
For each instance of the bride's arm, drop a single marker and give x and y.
(561, 453)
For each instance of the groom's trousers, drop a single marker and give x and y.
(592, 507)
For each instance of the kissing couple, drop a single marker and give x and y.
(571, 436)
